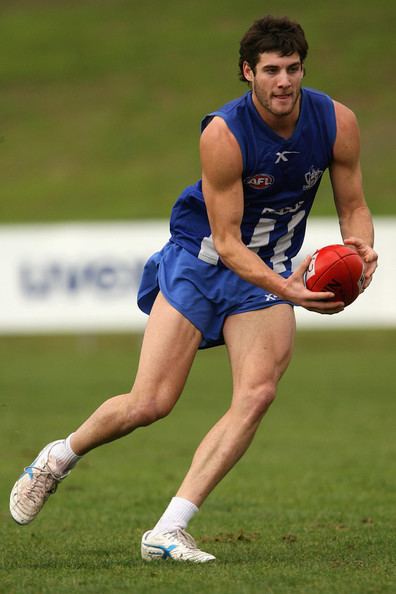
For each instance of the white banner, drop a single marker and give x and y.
(80, 277)
(83, 277)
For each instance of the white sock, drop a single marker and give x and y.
(177, 515)
(65, 458)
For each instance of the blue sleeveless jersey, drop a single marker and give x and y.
(280, 180)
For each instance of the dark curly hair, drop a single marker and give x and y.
(271, 34)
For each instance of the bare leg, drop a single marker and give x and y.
(169, 347)
(260, 346)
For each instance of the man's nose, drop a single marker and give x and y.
(283, 79)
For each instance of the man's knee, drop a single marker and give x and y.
(154, 410)
(143, 410)
(261, 399)
(255, 401)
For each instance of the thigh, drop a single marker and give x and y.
(260, 345)
(169, 346)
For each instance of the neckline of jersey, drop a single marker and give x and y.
(268, 130)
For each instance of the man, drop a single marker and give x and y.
(225, 276)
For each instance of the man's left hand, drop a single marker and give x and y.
(368, 255)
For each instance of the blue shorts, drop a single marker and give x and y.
(205, 294)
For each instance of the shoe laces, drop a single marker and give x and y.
(191, 552)
(184, 537)
(43, 480)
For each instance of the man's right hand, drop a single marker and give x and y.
(295, 290)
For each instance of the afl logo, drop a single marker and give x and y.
(260, 181)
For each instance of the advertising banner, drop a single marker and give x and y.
(83, 277)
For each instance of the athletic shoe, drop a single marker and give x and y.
(37, 482)
(177, 545)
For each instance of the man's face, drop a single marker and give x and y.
(276, 82)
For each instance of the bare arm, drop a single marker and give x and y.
(346, 178)
(222, 188)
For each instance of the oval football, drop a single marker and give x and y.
(338, 269)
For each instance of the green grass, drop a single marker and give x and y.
(309, 509)
(101, 101)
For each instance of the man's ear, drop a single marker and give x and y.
(248, 73)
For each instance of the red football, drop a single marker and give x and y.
(338, 269)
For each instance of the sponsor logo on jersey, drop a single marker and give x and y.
(271, 297)
(282, 156)
(260, 181)
(312, 177)
(284, 210)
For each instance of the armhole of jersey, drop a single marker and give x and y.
(323, 104)
(332, 127)
(233, 129)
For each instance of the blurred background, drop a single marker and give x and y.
(100, 106)
(101, 100)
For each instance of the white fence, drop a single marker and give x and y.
(83, 277)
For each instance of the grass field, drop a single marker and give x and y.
(309, 510)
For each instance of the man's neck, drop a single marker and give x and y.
(283, 125)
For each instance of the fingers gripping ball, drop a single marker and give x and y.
(338, 269)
